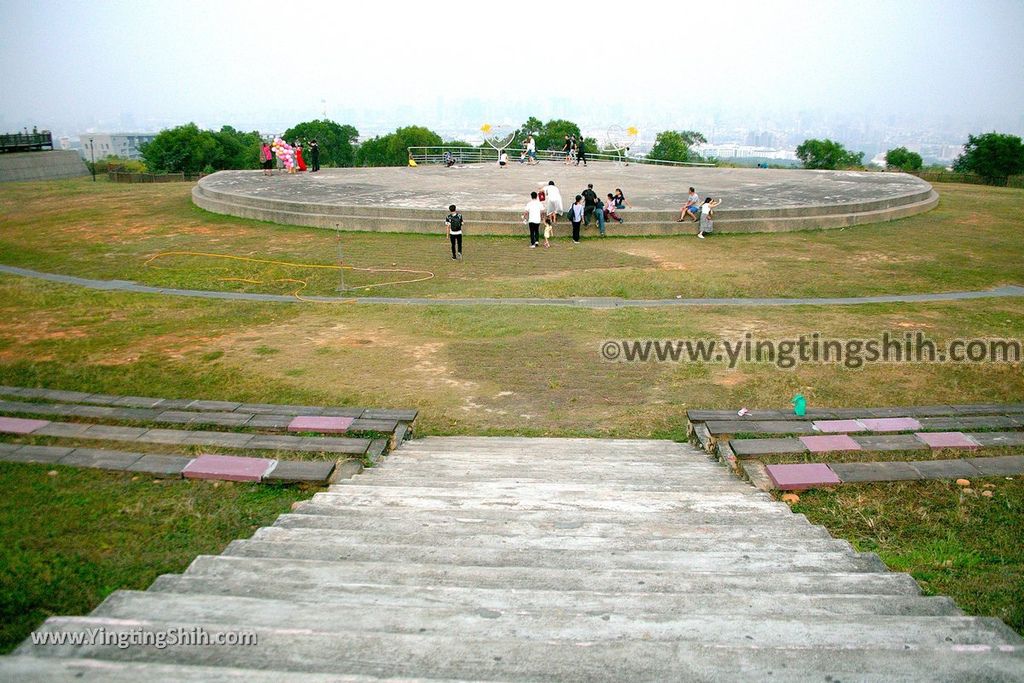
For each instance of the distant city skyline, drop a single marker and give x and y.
(867, 73)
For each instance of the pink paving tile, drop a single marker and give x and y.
(824, 444)
(947, 439)
(228, 468)
(18, 425)
(324, 425)
(891, 424)
(797, 477)
(838, 426)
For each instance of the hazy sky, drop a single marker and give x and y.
(185, 60)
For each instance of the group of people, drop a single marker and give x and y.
(574, 150)
(546, 204)
(267, 158)
(699, 212)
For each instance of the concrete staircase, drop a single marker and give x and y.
(537, 559)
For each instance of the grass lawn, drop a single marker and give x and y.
(109, 230)
(469, 370)
(105, 531)
(955, 542)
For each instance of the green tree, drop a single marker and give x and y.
(183, 149)
(903, 159)
(392, 149)
(337, 142)
(993, 156)
(674, 145)
(187, 149)
(827, 154)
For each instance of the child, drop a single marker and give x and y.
(503, 159)
(609, 209)
(547, 232)
(453, 227)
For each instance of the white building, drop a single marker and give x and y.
(102, 145)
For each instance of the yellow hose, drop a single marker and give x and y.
(302, 283)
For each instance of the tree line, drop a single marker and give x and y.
(190, 149)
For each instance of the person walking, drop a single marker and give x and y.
(589, 197)
(267, 158)
(314, 156)
(553, 202)
(532, 216)
(576, 217)
(453, 227)
(581, 152)
(567, 151)
(547, 232)
(531, 151)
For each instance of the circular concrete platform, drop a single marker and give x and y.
(492, 199)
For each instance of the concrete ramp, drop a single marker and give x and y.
(47, 165)
(532, 559)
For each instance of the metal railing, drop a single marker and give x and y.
(476, 155)
(26, 142)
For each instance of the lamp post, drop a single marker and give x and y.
(92, 152)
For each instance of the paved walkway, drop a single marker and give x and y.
(543, 560)
(587, 302)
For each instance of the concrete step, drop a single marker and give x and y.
(486, 490)
(486, 558)
(372, 595)
(724, 530)
(469, 482)
(714, 628)
(326, 573)
(452, 656)
(552, 459)
(27, 669)
(550, 541)
(381, 497)
(344, 507)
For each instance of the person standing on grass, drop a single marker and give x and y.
(453, 227)
(267, 159)
(589, 197)
(547, 232)
(576, 212)
(707, 213)
(314, 156)
(532, 215)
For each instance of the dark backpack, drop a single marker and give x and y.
(455, 222)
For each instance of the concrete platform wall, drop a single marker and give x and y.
(323, 204)
(41, 166)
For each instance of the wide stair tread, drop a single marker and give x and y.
(508, 558)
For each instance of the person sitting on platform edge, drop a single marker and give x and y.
(453, 228)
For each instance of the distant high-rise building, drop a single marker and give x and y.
(103, 145)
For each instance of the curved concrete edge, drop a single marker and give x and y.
(385, 219)
(1007, 291)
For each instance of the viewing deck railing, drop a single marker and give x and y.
(25, 142)
(476, 155)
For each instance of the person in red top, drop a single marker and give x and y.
(298, 156)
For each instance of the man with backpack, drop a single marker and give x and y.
(453, 226)
(589, 201)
